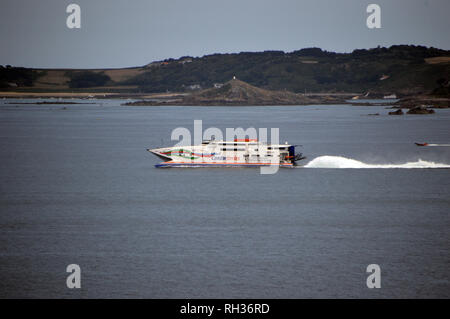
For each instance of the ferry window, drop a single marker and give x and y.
(233, 149)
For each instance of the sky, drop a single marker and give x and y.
(119, 33)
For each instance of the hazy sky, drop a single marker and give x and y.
(119, 33)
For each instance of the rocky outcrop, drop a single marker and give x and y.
(420, 110)
(398, 112)
(426, 100)
(236, 92)
(239, 93)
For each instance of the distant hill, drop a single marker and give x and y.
(400, 69)
(239, 92)
(234, 92)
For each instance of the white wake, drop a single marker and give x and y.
(343, 162)
(446, 145)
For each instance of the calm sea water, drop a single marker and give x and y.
(77, 186)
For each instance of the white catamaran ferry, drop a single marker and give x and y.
(240, 153)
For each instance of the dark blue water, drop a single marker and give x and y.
(77, 186)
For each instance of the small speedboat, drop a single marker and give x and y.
(421, 144)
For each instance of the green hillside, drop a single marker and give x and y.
(400, 69)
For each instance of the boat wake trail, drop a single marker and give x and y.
(443, 145)
(343, 162)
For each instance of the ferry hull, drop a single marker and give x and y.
(169, 164)
(237, 153)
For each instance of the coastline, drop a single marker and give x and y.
(81, 95)
(185, 99)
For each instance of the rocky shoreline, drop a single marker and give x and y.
(424, 102)
(239, 93)
(50, 102)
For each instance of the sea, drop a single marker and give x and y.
(77, 186)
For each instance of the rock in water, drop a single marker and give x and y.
(398, 112)
(420, 110)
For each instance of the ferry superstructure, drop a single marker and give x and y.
(237, 153)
